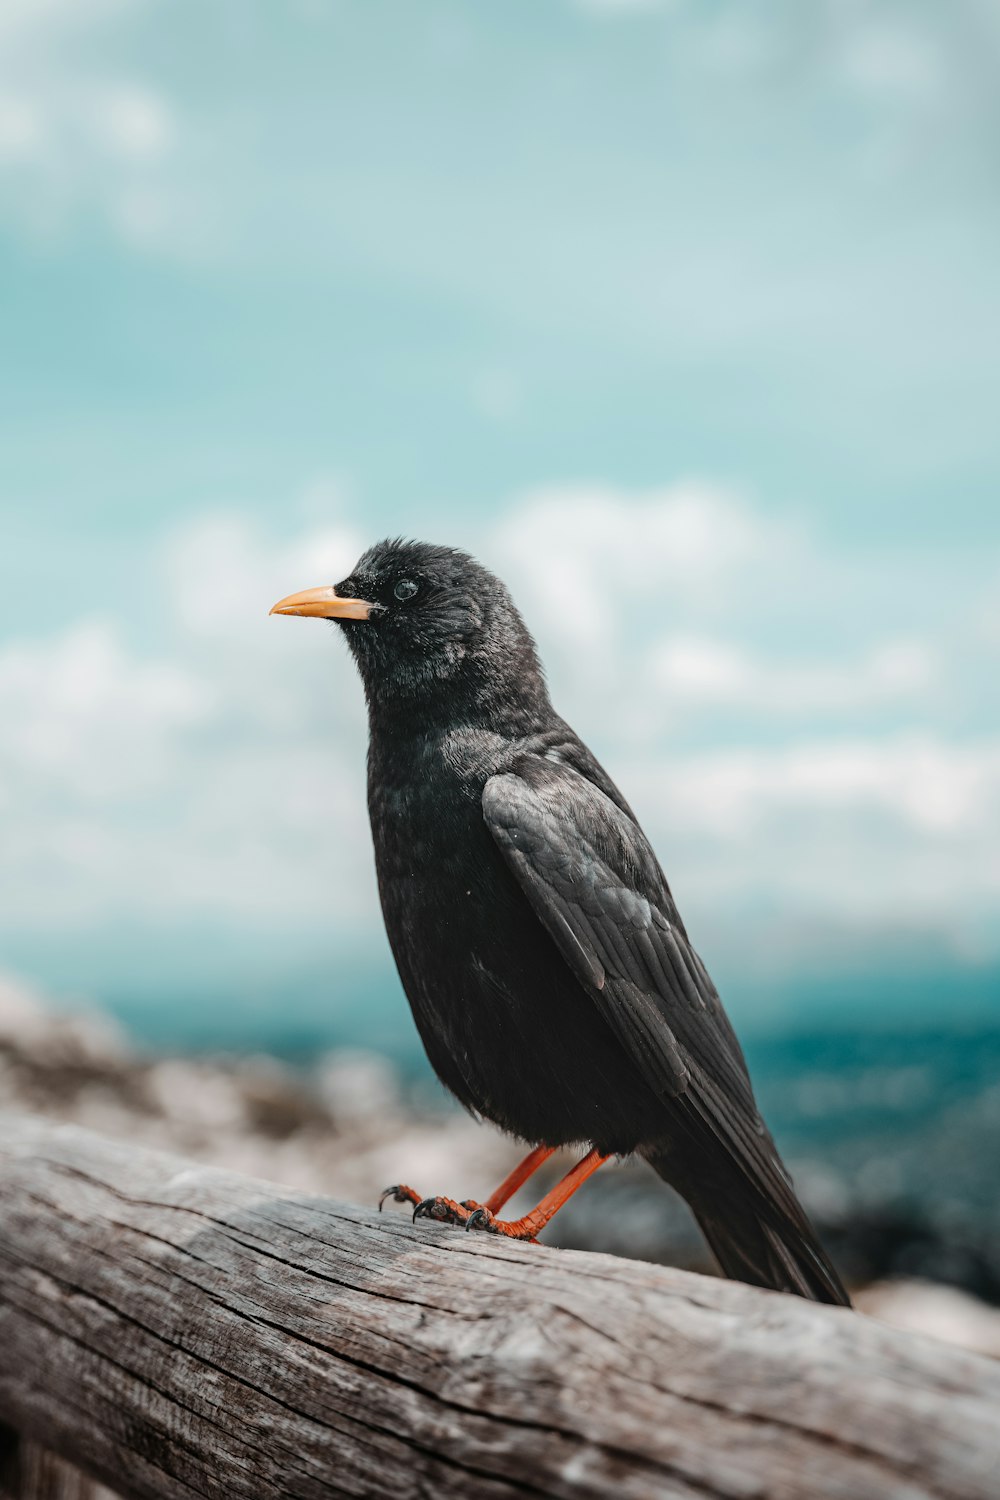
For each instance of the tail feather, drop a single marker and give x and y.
(789, 1259)
(754, 1238)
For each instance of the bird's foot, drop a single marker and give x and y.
(513, 1229)
(441, 1210)
(399, 1194)
(446, 1210)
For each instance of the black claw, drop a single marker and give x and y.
(478, 1219)
(396, 1193)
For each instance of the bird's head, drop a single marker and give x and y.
(432, 631)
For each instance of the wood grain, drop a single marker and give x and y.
(181, 1332)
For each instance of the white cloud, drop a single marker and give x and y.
(83, 138)
(83, 712)
(690, 535)
(22, 131)
(221, 780)
(704, 672)
(80, 146)
(842, 842)
(892, 61)
(132, 121)
(593, 556)
(84, 126)
(220, 569)
(931, 786)
(687, 602)
(221, 777)
(41, 21)
(651, 609)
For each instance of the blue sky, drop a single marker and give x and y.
(696, 307)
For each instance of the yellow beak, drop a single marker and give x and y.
(326, 603)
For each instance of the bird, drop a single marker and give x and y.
(550, 976)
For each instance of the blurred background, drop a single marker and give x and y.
(685, 318)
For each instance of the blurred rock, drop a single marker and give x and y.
(360, 1089)
(351, 1126)
(47, 1039)
(347, 1127)
(942, 1312)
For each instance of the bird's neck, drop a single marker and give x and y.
(511, 709)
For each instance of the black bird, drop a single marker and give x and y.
(550, 975)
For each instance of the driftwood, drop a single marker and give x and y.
(176, 1331)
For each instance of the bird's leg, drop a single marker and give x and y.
(528, 1227)
(447, 1211)
(515, 1179)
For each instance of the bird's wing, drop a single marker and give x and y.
(589, 873)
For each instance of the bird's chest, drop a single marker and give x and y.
(454, 915)
(437, 864)
(499, 1012)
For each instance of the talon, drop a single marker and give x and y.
(441, 1210)
(488, 1223)
(399, 1194)
(481, 1218)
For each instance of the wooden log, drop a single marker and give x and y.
(182, 1332)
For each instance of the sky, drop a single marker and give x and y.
(683, 317)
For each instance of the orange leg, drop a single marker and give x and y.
(528, 1227)
(524, 1169)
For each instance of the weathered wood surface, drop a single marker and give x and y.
(179, 1332)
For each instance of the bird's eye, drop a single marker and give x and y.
(405, 588)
